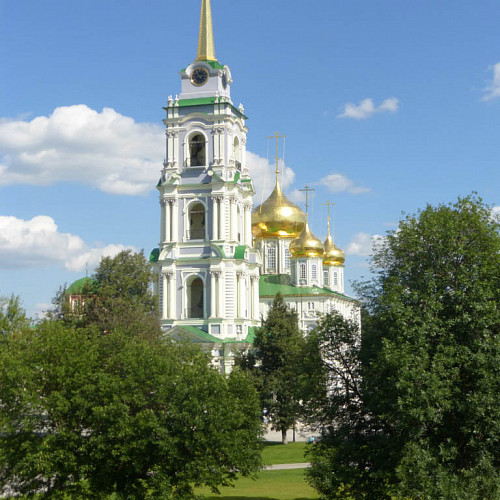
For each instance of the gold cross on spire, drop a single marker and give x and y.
(206, 46)
(277, 136)
(307, 190)
(328, 204)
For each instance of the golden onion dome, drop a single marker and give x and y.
(278, 217)
(333, 256)
(306, 245)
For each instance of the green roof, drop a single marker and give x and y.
(77, 287)
(239, 253)
(155, 255)
(251, 335)
(271, 284)
(196, 102)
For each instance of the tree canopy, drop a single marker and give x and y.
(428, 422)
(12, 315)
(86, 415)
(275, 361)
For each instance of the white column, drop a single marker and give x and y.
(172, 297)
(213, 312)
(222, 219)
(215, 219)
(163, 223)
(175, 153)
(248, 225)
(165, 297)
(168, 222)
(221, 295)
(255, 287)
(175, 221)
(234, 223)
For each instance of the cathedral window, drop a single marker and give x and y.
(335, 278)
(302, 269)
(287, 258)
(197, 152)
(271, 258)
(196, 222)
(195, 299)
(314, 272)
(326, 278)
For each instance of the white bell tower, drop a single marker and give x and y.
(207, 271)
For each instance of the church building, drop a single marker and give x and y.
(219, 263)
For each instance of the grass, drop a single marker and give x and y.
(277, 453)
(269, 485)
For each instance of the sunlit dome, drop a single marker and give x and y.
(333, 256)
(306, 245)
(278, 217)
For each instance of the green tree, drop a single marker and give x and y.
(120, 296)
(428, 425)
(87, 415)
(12, 315)
(275, 361)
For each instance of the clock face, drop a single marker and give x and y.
(199, 76)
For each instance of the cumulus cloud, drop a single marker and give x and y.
(38, 242)
(363, 244)
(104, 149)
(493, 90)
(338, 183)
(263, 175)
(495, 211)
(366, 108)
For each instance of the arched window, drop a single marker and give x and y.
(195, 299)
(196, 222)
(236, 153)
(197, 151)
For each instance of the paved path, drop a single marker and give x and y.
(304, 465)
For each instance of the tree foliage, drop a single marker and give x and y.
(12, 315)
(428, 425)
(85, 415)
(275, 362)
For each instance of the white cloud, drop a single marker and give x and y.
(363, 244)
(366, 108)
(105, 150)
(495, 211)
(493, 90)
(38, 242)
(263, 175)
(338, 183)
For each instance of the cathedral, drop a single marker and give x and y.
(220, 262)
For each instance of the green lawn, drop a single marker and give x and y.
(269, 485)
(277, 453)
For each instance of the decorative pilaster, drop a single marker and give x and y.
(175, 221)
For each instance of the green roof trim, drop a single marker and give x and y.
(215, 64)
(239, 253)
(222, 251)
(155, 255)
(198, 332)
(271, 284)
(78, 286)
(196, 102)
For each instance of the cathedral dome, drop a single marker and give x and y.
(277, 217)
(333, 256)
(307, 245)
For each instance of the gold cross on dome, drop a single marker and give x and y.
(307, 190)
(277, 136)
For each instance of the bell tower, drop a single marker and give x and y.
(207, 271)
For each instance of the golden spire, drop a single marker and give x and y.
(206, 46)
(333, 256)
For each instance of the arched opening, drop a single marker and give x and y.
(195, 299)
(239, 221)
(197, 151)
(236, 153)
(196, 222)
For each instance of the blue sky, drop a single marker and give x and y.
(386, 105)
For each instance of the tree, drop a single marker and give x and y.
(120, 296)
(86, 415)
(275, 361)
(430, 412)
(12, 315)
